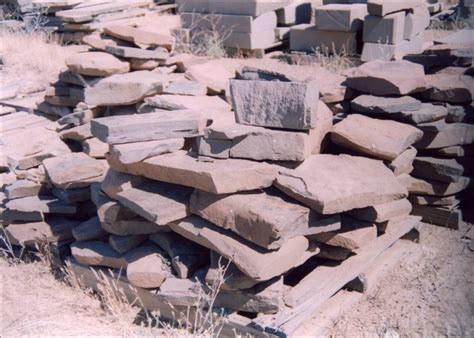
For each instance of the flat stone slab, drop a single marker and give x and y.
(137, 53)
(444, 170)
(148, 127)
(419, 186)
(89, 230)
(448, 201)
(95, 253)
(383, 212)
(342, 183)
(75, 170)
(121, 89)
(214, 176)
(53, 229)
(179, 102)
(384, 105)
(158, 202)
(128, 153)
(265, 219)
(447, 88)
(186, 256)
(147, 267)
(22, 188)
(353, 235)
(44, 204)
(288, 105)
(440, 134)
(96, 64)
(403, 164)
(456, 151)
(71, 196)
(384, 7)
(214, 76)
(115, 182)
(124, 244)
(254, 261)
(142, 38)
(388, 78)
(186, 87)
(381, 139)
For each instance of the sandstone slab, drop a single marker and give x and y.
(137, 53)
(22, 188)
(382, 139)
(444, 170)
(89, 230)
(403, 164)
(214, 76)
(147, 267)
(186, 87)
(97, 253)
(452, 89)
(124, 244)
(419, 186)
(383, 212)
(342, 183)
(440, 134)
(128, 153)
(96, 64)
(140, 37)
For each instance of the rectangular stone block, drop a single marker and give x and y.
(289, 105)
(385, 30)
(197, 6)
(255, 40)
(384, 7)
(386, 52)
(246, 7)
(416, 21)
(294, 14)
(341, 17)
(308, 38)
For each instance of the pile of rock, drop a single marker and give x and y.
(45, 187)
(255, 25)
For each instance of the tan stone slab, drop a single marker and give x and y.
(96, 64)
(383, 212)
(95, 253)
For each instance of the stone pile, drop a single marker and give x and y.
(44, 186)
(254, 25)
(422, 127)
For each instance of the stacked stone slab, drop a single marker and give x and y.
(74, 19)
(337, 29)
(394, 28)
(45, 187)
(252, 25)
(421, 126)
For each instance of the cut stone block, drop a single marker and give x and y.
(255, 40)
(369, 104)
(148, 127)
(289, 105)
(137, 53)
(22, 188)
(294, 14)
(254, 261)
(197, 6)
(89, 230)
(186, 87)
(53, 229)
(341, 17)
(419, 186)
(222, 23)
(449, 88)
(147, 267)
(157, 202)
(136, 152)
(121, 89)
(179, 102)
(416, 21)
(234, 279)
(384, 7)
(403, 164)
(265, 219)
(389, 29)
(444, 170)
(388, 78)
(43, 204)
(95, 148)
(115, 182)
(217, 176)
(123, 244)
(343, 183)
(353, 235)
(96, 64)
(97, 253)
(383, 212)
(76, 170)
(186, 256)
(142, 38)
(308, 38)
(382, 139)
(252, 7)
(214, 76)
(440, 134)
(448, 201)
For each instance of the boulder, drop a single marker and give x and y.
(96, 64)
(121, 89)
(383, 212)
(147, 267)
(75, 170)
(341, 183)
(381, 139)
(97, 253)
(388, 78)
(148, 127)
(214, 176)
(263, 218)
(255, 262)
(186, 256)
(287, 105)
(128, 153)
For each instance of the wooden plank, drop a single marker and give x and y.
(234, 325)
(323, 282)
(321, 321)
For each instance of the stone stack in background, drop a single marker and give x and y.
(394, 28)
(248, 26)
